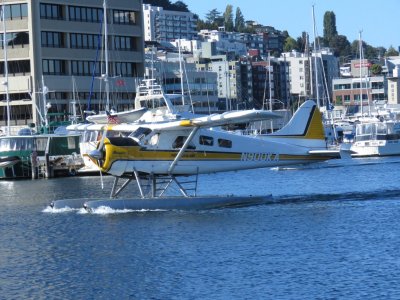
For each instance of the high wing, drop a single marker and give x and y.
(232, 117)
(227, 118)
(215, 120)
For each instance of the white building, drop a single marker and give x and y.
(303, 70)
(225, 41)
(167, 25)
(299, 73)
(200, 87)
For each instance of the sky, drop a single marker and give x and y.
(379, 21)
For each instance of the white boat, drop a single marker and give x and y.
(128, 116)
(378, 138)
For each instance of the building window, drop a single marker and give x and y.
(85, 68)
(51, 11)
(17, 67)
(85, 14)
(53, 39)
(124, 17)
(125, 69)
(344, 86)
(15, 39)
(84, 41)
(15, 11)
(124, 43)
(54, 67)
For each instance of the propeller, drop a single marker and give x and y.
(98, 154)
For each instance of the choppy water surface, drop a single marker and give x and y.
(332, 231)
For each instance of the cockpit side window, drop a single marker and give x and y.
(206, 140)
(225, 143)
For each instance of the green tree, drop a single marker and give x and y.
(391, 52)
(370, 52)
(340, 45)
(376, 69)
(290, 44)
(214, 19)
(329, 26)
(180, 6)
(302, 41)
(239, 21)
(228, 18)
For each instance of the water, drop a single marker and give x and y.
(331, 232)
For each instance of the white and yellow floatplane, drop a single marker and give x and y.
(163, 153)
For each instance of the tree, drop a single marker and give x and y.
(340, 45)
(370, 52)
(290, 44)
(391, 52)
(180, 6)
(329, 26)
(376, 69)
(239, 21)
(214, 19)
(228, 18)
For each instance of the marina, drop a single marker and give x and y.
(198, 156)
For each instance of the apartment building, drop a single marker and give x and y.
(349, 91)
(59, 43)
(165, 25)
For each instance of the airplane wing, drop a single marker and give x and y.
(231, 117)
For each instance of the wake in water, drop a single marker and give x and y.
(102, 210)
(341, 163)
(350, 196)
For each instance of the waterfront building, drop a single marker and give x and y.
(228, 72)
(56, 41)
(349, 91)
(302, 75)
(394, 86)
(199, 85)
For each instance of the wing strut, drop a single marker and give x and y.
(183, 149)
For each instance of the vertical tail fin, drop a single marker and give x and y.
(306, 123)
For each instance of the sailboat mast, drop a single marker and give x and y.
(181, 71)
(315, 57)
(360, 64)
(5, 83)
(105, 76)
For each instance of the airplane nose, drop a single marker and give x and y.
(96, 154)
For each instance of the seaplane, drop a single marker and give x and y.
(163, 154)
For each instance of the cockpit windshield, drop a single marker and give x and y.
(140, 133)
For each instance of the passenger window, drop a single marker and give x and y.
(225, 143)
(206, 140)
(179, 141)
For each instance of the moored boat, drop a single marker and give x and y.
(30, 156)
